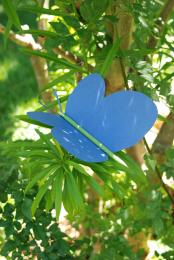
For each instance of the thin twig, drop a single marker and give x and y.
(28, 41)
(71, 57)
(163, 17)
(157, 170)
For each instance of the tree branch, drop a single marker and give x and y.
(163, 17)
(38, 63)
(165, 136)
(167, 9)
(123, 28)
(72, 58)
(26, 41)
(116, 78)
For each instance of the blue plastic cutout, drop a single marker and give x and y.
(118, 121)
(58, 101)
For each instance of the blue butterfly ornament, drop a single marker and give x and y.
(116, 122)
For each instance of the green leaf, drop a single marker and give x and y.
(68, 200)
(135, 172)
(170, 100)
(63, 78)
(112, 184)
(109, 167)
(52, 104)
(58, 192)
(72, 21)
(39, 33)
(9, 246)
(49, 144)
(78, 167)
(41, 193)
(91, 11)
(7, 31)
(111, 54)
(37, 154)
(117, 188)
(38, 10)
(54, 58)
(158, 226)
(31, 121)
(90, 180)
(150, 162)
(11, 12)
(49, 201)
(72, 198)
(26, 208)
(94, 185)
(42, 174)
(60, 28)
(162, 118)
(75, 191)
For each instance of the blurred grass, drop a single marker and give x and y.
(17, 85)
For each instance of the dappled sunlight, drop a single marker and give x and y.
(163, 110)
(70, 200)
(156, 246)
(24, 130)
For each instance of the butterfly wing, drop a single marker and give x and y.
(118, 121)
(43, 117)
(77, 144)
(84, 100)
(71, 139)
(122, 119)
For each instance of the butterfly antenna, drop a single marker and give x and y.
(42, 104)
(58, 100)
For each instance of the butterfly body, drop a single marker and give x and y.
(117, 121)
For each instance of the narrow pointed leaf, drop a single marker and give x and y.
(31, 121)
(58, 192)
(39, 33)
(7, 31)
(38, 10)
(111, 54)
(44, 173)
(11, 12)
(55, 59)
(94, 185)
(41, 193)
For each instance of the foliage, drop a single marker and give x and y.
(24, 233)
(54, 168)
(115, 206)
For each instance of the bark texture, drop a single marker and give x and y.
(115, 77)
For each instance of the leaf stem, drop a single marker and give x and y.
(157, 170)
(88, 135)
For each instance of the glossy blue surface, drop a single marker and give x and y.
(118, 121)
(71, 139)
